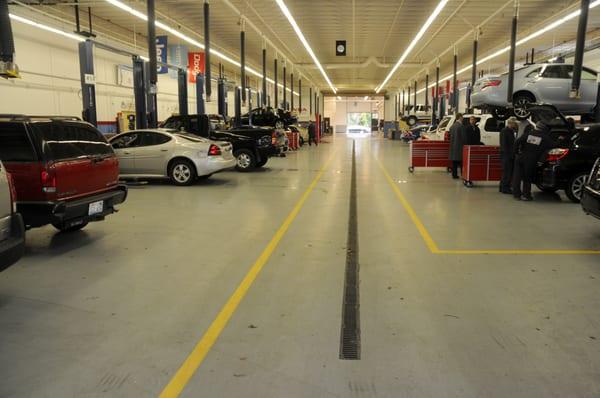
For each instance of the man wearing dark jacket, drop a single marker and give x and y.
(312, 133)
(473, 132)
(457, 141)
(529, 149)
(508, 136)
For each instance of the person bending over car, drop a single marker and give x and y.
(508, 136)
(529, 148)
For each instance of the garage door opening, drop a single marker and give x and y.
(358, 123)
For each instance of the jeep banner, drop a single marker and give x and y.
(161, 54)
(195, 65)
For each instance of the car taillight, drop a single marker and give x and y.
(214, 150)
(48, 179)
(447, 136)
(491, 83)
(556, 154)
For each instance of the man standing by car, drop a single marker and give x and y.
(457, 141)
(529, 148)
(473, 132)
(507, 153)
(312, 133)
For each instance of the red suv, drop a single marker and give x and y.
(64, 171)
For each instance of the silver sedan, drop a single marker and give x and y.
(163, 153)
(541, 83)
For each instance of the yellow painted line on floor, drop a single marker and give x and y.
(411, 213)
(433, 247)
(196, 357)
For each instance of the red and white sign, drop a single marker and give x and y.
(195, 65)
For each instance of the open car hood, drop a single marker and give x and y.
(550, 115)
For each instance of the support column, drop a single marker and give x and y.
(88, 81)
(243, 57)
(292, 91)
(513, 46)
(139, 92)
(275, 85)
(300, 96)
(415, 93)
(200, 97)
(310, 100)
(426, 91)
(403, 103)
(579, 48)
(409, 95)
(207, 71)
(222, 97)
(238, 106)
(153, 76)
(436, 104)
(455, 83)
(182, 90)
(264, 79)
(285, 107)
(474, 66)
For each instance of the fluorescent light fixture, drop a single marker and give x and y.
(524, 40)
(414, 42)
(189, 40)
(290, 18)
(339, 98)
(45, 27)
(366, 98)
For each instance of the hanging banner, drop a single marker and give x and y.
(195, 65)
(178, 56)
(161, 53)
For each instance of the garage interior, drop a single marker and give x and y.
(343, 269)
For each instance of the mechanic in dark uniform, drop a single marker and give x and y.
(508, 135)
(529, 148)
(312, 133)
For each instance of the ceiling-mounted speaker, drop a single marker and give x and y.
(340, 48)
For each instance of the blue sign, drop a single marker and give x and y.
(178, 56)
(161, 53)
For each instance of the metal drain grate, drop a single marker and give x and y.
(350, 333)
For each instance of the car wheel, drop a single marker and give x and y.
(546, 189)
(279, 124)
(73, 228)
(182, 172)
(521, 104)
(262, 163)
(575, 187)
(411, 120)
(246, 160)
(500, 114)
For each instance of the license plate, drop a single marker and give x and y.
(96, 208)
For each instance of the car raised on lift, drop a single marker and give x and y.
(537, 83)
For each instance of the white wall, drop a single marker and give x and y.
(50, 84)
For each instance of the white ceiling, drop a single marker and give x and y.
(377, 32)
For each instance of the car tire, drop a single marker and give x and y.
(546, 189)
(301, 141)
(262, 163)
(501, 114)
(246, 160)
(576, 186)
(412, 120)
(521, 102)
(74, 228)
(279, 124)
(182, 172)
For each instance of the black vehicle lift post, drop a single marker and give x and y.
(436, 103)
(238, 106)
(243, 57)
(139, 91)
(300, 95)
(182, 91)
(275, 86)
(409, 95)
(426, 91)
(455, 83)
(284, 86)
(264, 72)
(579, 49)
(402, 103)
(222, 97)
(396, 107)
(200, 95)
(415, 93)
(292, 90)
(474, 67)
(88, 81)
(207, 70)
(310, 100)
(513, 47)
(152, 67)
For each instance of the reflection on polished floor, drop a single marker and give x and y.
(239, 279)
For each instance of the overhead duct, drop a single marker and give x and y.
(8, 68)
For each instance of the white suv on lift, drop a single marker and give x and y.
(12, 230)
(488, 125)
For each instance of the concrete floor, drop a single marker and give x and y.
(115, 309)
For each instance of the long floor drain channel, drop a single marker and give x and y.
(350, 332)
